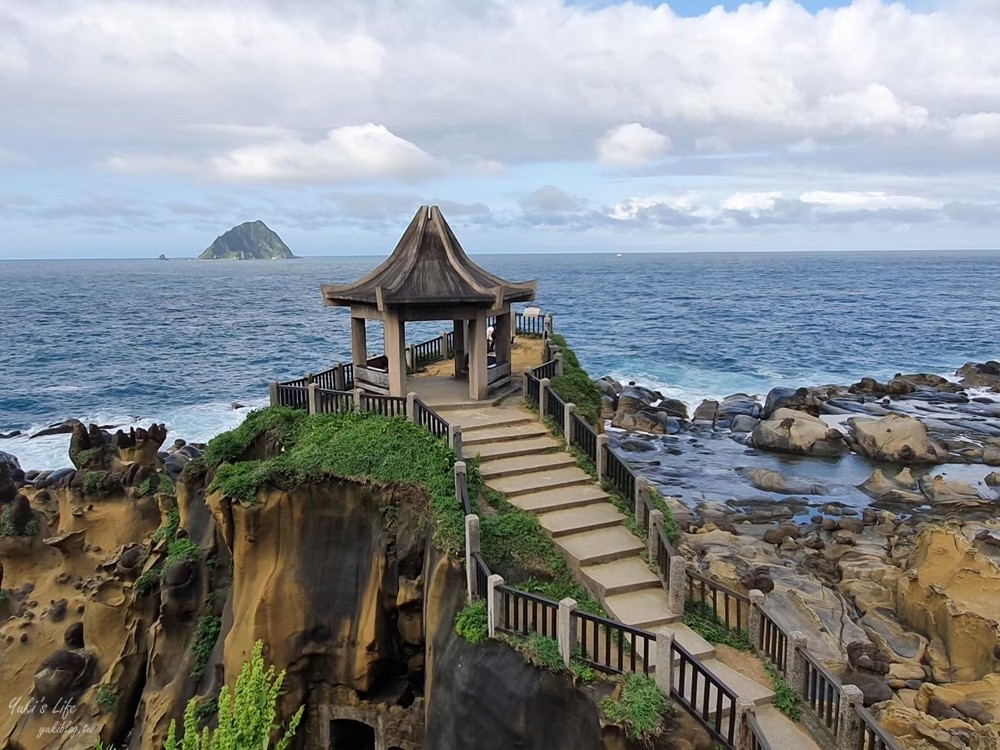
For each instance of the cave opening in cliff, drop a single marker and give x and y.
(347, 734)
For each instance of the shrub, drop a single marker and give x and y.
(145, 582)
(205, 636)
(169, 530)
(106, 698)
(575, 385)
(93, 480)
(642, 709)
(246, 716)
(282, 422)
(181, 549)
(785, 699)
(472, 622)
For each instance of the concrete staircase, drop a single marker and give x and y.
(522, 459)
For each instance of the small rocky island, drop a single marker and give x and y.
(252, 240)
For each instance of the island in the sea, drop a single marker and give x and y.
(252, 240)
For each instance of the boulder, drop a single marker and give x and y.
(886, 491)
(769, 480)
(11, 477)
(980, 375)
(791, 431)
(706, 411)
(896, 439)
(799, 399)
(743, 423)
(867, 668)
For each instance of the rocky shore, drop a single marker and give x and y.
(867, 512)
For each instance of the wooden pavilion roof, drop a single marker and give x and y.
(427, 267)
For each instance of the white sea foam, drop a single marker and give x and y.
(195, 424)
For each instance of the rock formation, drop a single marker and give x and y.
(252, 240)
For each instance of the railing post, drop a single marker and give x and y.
(358, 393)
(639, 501)
(755, 619)
(677, 584)
(272, 392)
(568, 423)
(471, 548)
(411, 359)
(444, 345)
(744, 738)
(655, 524)
(664, 673)
(559, 363)
(411, 411)
(494, 603)
(338, 377)
(602, 461)
(849, 735)
(309, 378)
(795, 662)
(548, 323)
(455, 438)
(313, 398)
(543, 397)
(565, 633)
(460, 479)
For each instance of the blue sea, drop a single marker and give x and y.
(129, 341)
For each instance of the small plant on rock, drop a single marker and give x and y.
(106, 698)
(642, 709)
(205, 636)
(472, 624)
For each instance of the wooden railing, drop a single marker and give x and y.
(730, 608)
(822, 693)
(531, 389)
(326, 379)
(295, 396)
(583, 436)
(524, 613)
(387, 406)
(612, 646)
(330, 401)
(429, 419)
(555, 409)
(547, 370)
(705, 698)
(757, 739)
(348, 376)
(872, 736)
(773, 642)
(427, 351)
(621, 477)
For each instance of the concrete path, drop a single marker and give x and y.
(521, 458)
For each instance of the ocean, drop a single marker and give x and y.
(126, 342)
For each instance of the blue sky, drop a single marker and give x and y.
(135, 128)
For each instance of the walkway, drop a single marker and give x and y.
(522, 459)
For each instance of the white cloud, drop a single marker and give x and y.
(631, 145)
(866, 201)
(350, 153)
(980, 126)
(752, 203)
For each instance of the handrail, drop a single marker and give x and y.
(622, 644)
(696, 695)
(758, 741)
(532, 389)
(583, 436)
(429, 419)
(555, 409)
(873, 736)
(735, 610)
(822, 692)
(773, 641)
(545, 370)
(525, 613)
(329, 401)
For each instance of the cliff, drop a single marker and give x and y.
(252, 240)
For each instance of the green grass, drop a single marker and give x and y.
(541, 651)
(95, 456)
(196, 467)
(181, 549)
(352, 445)
(168, 530)
(106, 699)
(92, 481)
(785, 699)
(575, 385)
(146, 581)
(205, 636)
(472, 622)
(701, 619)
(582, 671)
(642, 709)
(7, 523)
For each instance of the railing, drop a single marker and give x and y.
(532, 388)
(734, 610)
(531, 324)
(524, 613)
(555, 409)
(620, 476)
(371, 377)
(387, 406)
(612, 646)
(773, 641)
(498, 372)
(450, 343)
(427, 418)
(348, 376)
(704, 696)
(331, 402)
(757, 739)
(295, 396)
(547, 370)
(822, 693)
(482, 573)
(872, 736)
(326, 379)
(583, 436)
(427, 352)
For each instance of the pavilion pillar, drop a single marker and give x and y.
(501, 338)
(359, 342)
(395, 352)
(477, 357)
(459, 345)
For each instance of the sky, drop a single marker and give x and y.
(131, 128)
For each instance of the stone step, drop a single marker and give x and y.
(646, 608)
(510, 465)
(511, 448)
(477, 421)
(586, 518)
(619, 576)
(690, 640)
(602, 545)
(740, 684)
(500, 434)
(782, 731)
(544, 501)
(535, 481)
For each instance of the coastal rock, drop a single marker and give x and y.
(706, 411)
(11, 477)
(790, 431)
(867, 667)
(774, 481)
(140, 445)
(896, 439)
(62, 428)
(799, 399)
(952, 493)
(91, 449)
(252, 240)
(980, 375)
(895, 491)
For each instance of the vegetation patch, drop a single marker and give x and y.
(575, 385)
(8, 527)
(93, 481)
(700, 617)
(205, 636)
(642, 709)
(180, 550)
(196, 467)
(353, 445)
(168, 530)
(472, 623)
(541, 651)
(146, 581)
(106, 699)
(785, 699)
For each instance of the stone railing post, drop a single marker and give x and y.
(602, 468)
(411, 358)
(358, 404)
(411, 408)
(565, 633)
(548, 324)
(338, 377)
(568, 424)
(543, 397)
(796, 668)
(677, 584)
(494, 603)
(444, 345)
(755, 620)
(272, 392)
(313, 398)
(850, 723)
(639, 501)
(652, 534)
(309, 378)
(559, 363)
(743, 739)
(455, 438)
(664, 673)
(460, 479)
(471, 548)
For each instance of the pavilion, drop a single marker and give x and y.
(429, 277)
